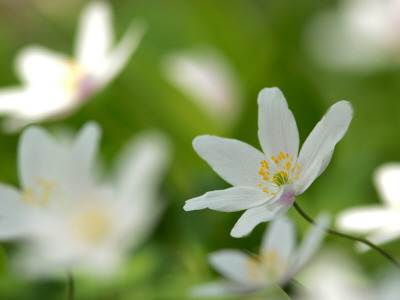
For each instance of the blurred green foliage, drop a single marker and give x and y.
(263, 41)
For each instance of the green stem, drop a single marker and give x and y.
(70, 286)
(347, 236)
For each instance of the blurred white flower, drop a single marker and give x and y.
(334, 276)
(67, 217)
(206, 77)
(264, 184)
(54, 84)
(360, 35)
(277, 263)
(381, 223)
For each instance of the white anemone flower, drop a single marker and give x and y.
(333, 276)
(265, 184)
(208, 78)
(66, 217)
(55, 85)
(381, 223)
(360, 35)
(277, 263)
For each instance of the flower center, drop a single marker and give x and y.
(40, 193)
(270, 266)
(274, 265)
(283, 171)
(92, 224)
(76, 80)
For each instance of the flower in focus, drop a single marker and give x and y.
(264, 184)
(208, 78)
(381, 223)
(69, 218)
(360, 35)
(54, 84)
(277, 263)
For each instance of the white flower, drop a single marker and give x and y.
(277, 263)
(264, 184)
(207, 77)
(334, 276)
(66, 217)
(360, 35)
(54, 84)
(381, 223)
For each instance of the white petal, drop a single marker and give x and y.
(42, 68)
(277, 130)
(256, 215)
(317, 150)
(232, 199)
(236, 162)
(94, 36)
(12, 215)
(38, 156)
(118, 57)
(12, 100)
(280, 237)
(310, 244)
(82, 156)
(220, 289)
(140, 169)
(232, 264)
(208, 78)
(387, 178)
(366, 219)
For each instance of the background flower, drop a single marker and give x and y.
(55, 85)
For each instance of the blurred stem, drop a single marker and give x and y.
(70, 286)
(347, 236)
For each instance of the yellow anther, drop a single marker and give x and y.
(274, 180)
(291, 158)
(287, 155)
(297, 177)
(276, 161)
(273, 194)
(259, 184)
(298, 166)
(272, 157)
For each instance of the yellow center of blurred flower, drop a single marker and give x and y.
(282, 170)
(270, 266)
(274, 265)
(40, 192)
(92, 224)
(73, 76)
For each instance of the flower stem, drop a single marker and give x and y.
(347, 236)
(70, 286)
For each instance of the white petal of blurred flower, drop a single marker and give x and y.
(67, 217)
(208, 78)
(333, 275)
(264, 184)
(381, 223)
(54, 85)
(277, 263)
(362, 35)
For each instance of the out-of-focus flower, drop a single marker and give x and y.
(277, 263)
(206, 77)
(264, 184)
(66, 216)
(360, 35)
(335, 276)
(54, 84)
(380, 222)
